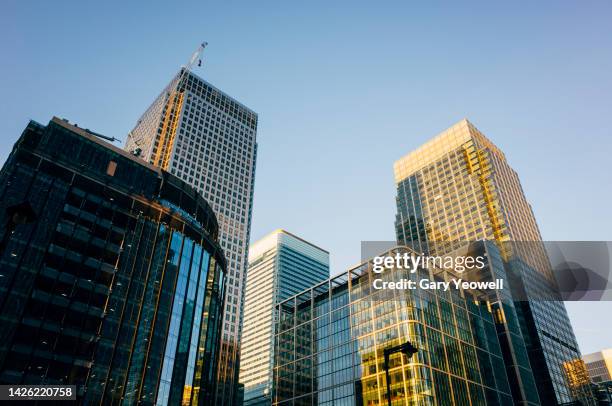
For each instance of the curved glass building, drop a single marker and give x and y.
(111, 276)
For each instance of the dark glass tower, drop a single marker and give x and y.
(111, 277)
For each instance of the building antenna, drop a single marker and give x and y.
(196, 58)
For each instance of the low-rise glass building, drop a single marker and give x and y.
(331, 338)
(111, 277)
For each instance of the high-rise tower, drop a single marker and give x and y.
(459, 187)
(208, 139)
(280, 265)
(111, 278)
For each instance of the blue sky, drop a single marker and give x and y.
(342, 91)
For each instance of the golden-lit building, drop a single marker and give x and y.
(577, 378)
(459, 187)
(599, 365)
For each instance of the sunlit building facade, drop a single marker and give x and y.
(111, 277)
(208, 139)
(331, 338)
(599, 365)
(578, 382)
(281, 265)
(459, 187)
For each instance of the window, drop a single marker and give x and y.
(111, 168)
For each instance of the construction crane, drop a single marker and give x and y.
(170, 120)
(196, 57)
(105, 137)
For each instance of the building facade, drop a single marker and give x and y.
(603, 392)
(280, 265)
(459, 187)
(111, 275)
(331, 339)
(208, 139)
(599, 365)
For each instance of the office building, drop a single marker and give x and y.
(599, 365)
(603, 393)
(111, 277)
(280, 265)
(331, 340)
(208, 139)
(459, 187)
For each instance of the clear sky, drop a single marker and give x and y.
(343, 89)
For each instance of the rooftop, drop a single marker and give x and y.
(443, 143)
(272, 239)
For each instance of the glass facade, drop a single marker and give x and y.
(280, 265)
(111, 275)
(459, 187)
(330, 342)
(208, 139)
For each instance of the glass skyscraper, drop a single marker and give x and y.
(280, 265)
(208, 139)
(459, 187)
(331, 338)
(111, 277)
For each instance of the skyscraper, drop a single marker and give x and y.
(111, 277)
(208, 139)
(459, 187)
(280, 265)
